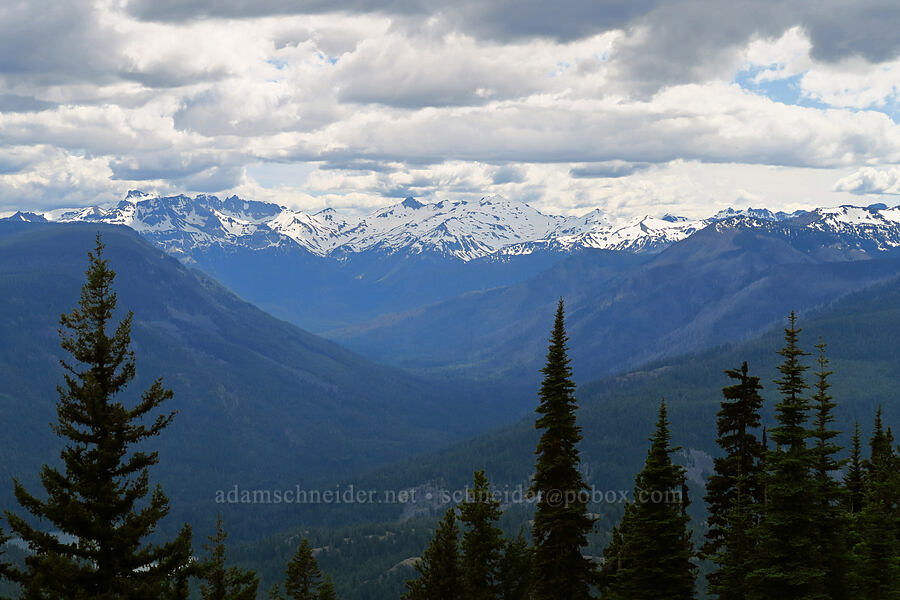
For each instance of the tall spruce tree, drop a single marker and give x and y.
(516, 569)
(854, 477)
(221, 582)
(326, 590)
(785, 564)
(96, 499)
(650, 555)
(876, 555)
(733, 492)
(439, 570)
(303, 575)
(482, 540)
(561, 521)
(830, 518)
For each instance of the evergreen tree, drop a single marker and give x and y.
(853, 479)
(95, 499)
(4, 567)
(561, 521)
(733, 492)
(650, 555)
(223, 583)
(785, 565)
(440, 574)
(326, 590)
(877, 551)
(303, 574)
(829, 517)
(482, 541)
(516, 569)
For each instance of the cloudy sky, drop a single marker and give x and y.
(633, 106)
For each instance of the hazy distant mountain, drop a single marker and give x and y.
(328, 271)
(261, 402)
(722, 284)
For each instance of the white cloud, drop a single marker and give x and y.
(629, 110)
(869, 180)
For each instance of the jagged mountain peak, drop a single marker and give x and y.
(463, 229)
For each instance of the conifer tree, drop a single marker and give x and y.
(223, 583)
(326, 590)
(440, 574)
(516, 569)
(561, 521)
(4, 567)
(303, 574)
(482, 541)
(785, 564)
(877, 551)
(98, 497)
(733, 492)
(853, 479)
(829, 517)
(651, 551)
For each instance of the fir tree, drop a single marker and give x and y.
(733, 492)
(561, 521)
(4, 566)
(650, 554)
(482, 541)
(303, 574)
(96, 498)
(829, 517)
(440, 574)
(223, 583)
(516, 569)
(326, 590)
(853, 479)
(877, 551)
(785, 565)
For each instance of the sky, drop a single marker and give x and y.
(631, 106)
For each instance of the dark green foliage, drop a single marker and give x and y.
(854, 477)
(482, 540)
(784, 565)
(326, 590)
(830, 518)
(516, 569)
(439, 571)
(4, 566)
(561, 521)
(96, 499)
(221, 583)
(649, 557)
(876, 553)
(733, 493)
(303, 574)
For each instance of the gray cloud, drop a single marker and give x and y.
(607, 170)
(55, 43)
(16, 103)
(508, 174)
(371, 166)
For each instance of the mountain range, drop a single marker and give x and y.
(260, 401)
(327, 271)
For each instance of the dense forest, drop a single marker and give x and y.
(788, 513)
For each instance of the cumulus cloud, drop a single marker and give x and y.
(870, 180)
(571, 106)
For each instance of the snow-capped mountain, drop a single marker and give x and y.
(462, 229)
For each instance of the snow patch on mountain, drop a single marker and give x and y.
(461, 229)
